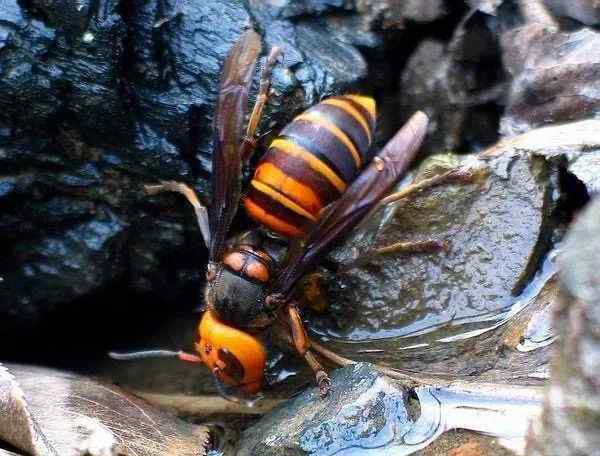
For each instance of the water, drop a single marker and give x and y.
(501, 411)
(539, 333)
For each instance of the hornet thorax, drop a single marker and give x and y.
(237, 288)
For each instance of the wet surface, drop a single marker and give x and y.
(516, 348)
(476, 280)
(367, 414)
(573, 146)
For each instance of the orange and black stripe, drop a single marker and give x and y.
(311, 163)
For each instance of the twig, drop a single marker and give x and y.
(205, 405)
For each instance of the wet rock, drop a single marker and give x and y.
(516, 349)
(529, 329)
(554, 76)
(569, 425)
(585, 11)
(363, 410)
(99, 98)
(59, 57)
(459, 85)
(496, 229)
(574, 146)
(43, 273)
(368, 413)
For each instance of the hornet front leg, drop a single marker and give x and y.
(458, 175)
(302, 345)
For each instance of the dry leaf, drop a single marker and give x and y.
(49, 412)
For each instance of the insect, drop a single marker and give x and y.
(313, 185)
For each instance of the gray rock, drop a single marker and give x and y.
(487, 6)
(569, 425)
(51, 412)
(364, 410)
(554, 76)
(574, 146)
(585, 11)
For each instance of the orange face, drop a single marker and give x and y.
(236, 357)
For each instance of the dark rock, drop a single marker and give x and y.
(44, 273)
(374, 15)
(292, 9)
(363, 410)
(554, 76)
(459, 85)
(98, 98)
(569, 425)
(27, 95)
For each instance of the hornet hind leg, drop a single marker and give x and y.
(249, 141)
(458, 175)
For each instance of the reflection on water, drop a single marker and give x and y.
(503, 412)
(539, 332)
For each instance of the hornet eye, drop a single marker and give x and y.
(233, 368)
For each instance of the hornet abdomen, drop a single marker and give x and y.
(311, 163)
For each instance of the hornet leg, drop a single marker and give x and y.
(190, 195)
(402, 248)
(249, 141)
(458, 175)
(302, 344)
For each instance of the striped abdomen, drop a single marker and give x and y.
(310, 164)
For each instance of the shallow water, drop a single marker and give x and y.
(496, 230)
(502, 412)
(538, 332)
